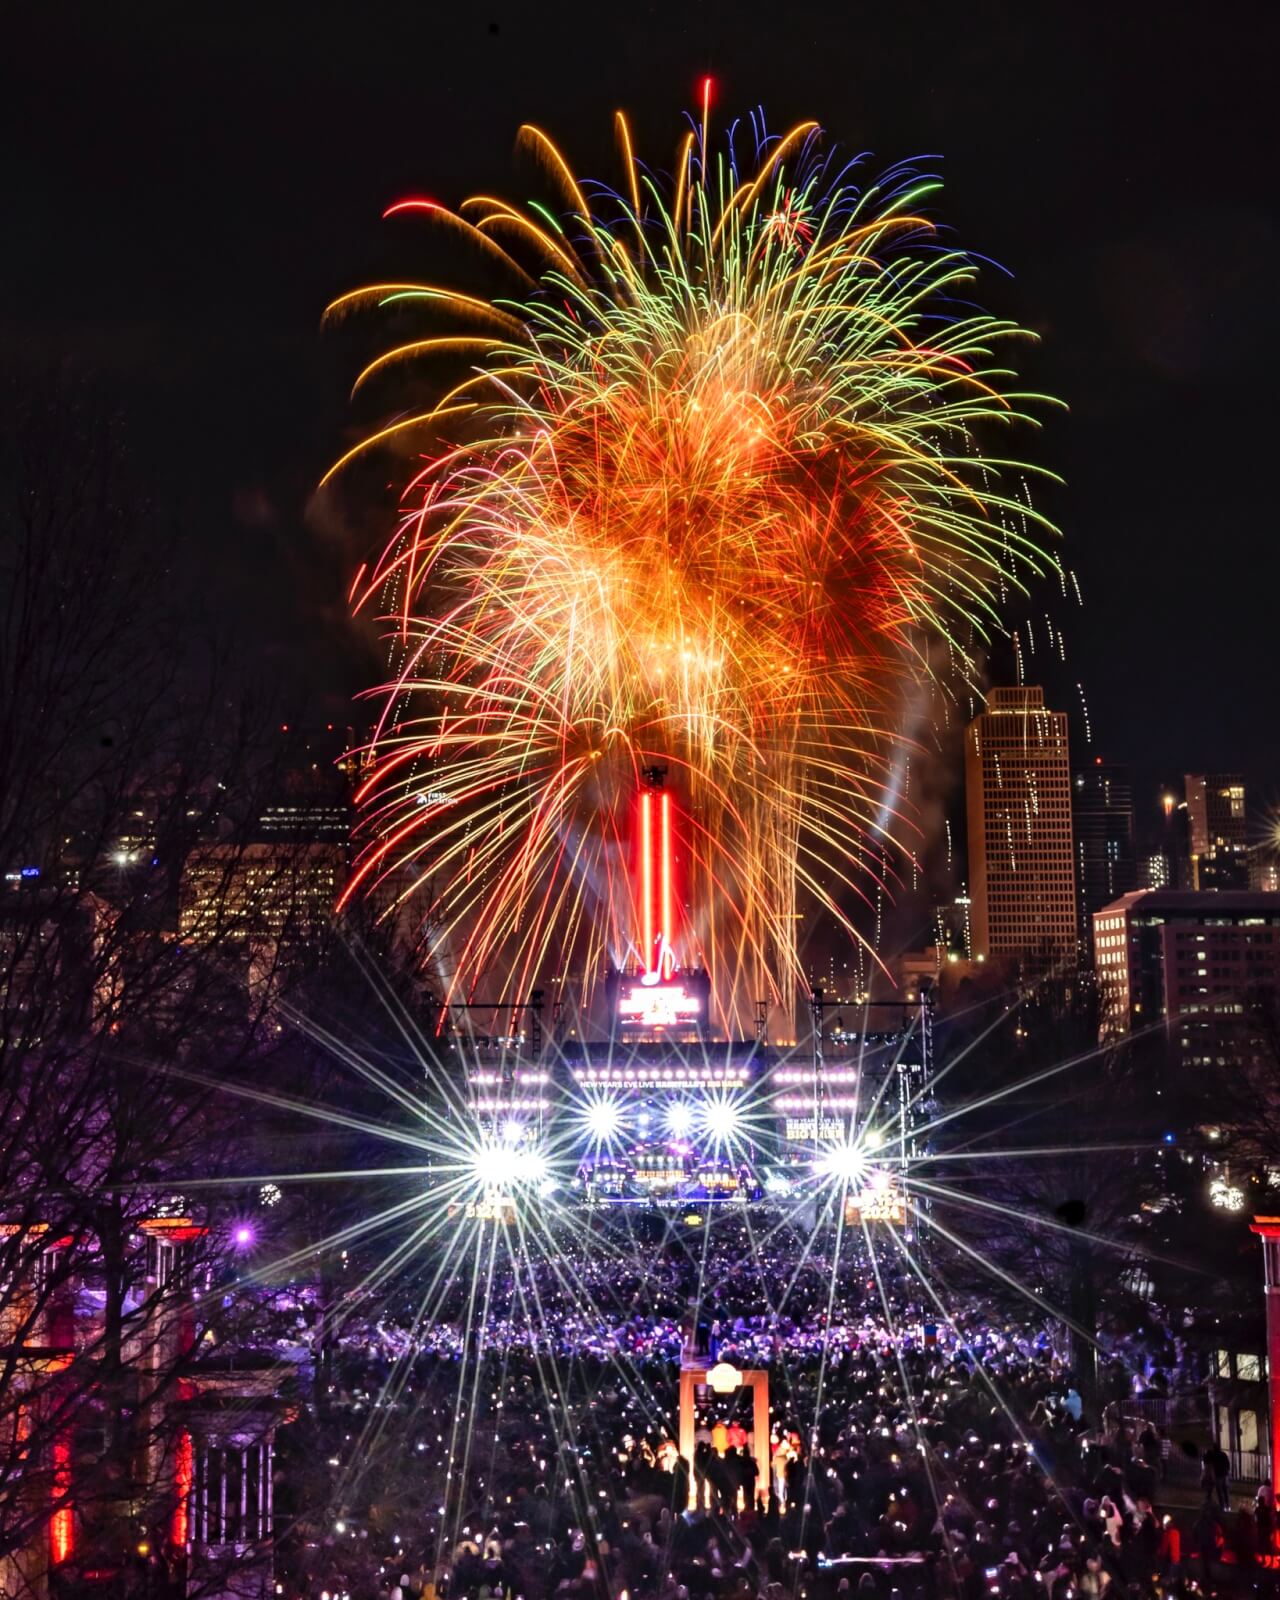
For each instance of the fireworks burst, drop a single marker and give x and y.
(712, 492)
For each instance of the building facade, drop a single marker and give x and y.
(1202, 963)
(1102, 823)
(277, 878)
(261, 893)
(1264, 874)
(1021, 861)
(1216, 827)
(145, 1449)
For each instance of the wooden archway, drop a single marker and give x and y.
(755, 1379)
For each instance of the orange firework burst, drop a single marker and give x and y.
(708, 498)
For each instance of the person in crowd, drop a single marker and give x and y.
(1264, 1517)
(1216, 1476)
(1151, 1448)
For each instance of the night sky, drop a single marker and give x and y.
(187, 187)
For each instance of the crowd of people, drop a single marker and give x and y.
(911, 1453)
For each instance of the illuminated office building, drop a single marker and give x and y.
(1202, 963)
(1021, 862)
(1216, 821)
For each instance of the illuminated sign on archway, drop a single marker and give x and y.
(879, 1199)
(724, 1378)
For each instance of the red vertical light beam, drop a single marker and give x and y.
(646, 878)
(668, 931)
(62, 1523)
(183, 1474)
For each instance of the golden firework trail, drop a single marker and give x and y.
(715, 487)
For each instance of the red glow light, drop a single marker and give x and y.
(646, 878)
(655, 890)
(667, 961)
(183, 1476)
(62, 1523)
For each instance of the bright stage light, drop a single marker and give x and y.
(604, 1118)
(846, 1162)
(722, 1120)
(501, 1165)
(491, 1165)
(680, 1119)
(529, 1166)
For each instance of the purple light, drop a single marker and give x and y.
(244, 1236)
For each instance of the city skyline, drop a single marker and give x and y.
(639, 822)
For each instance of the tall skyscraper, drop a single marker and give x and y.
(1216, 820)
(1102, 821)
(1021, 865)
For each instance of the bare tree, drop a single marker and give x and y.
(123, 1035)
(1058, 1212)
